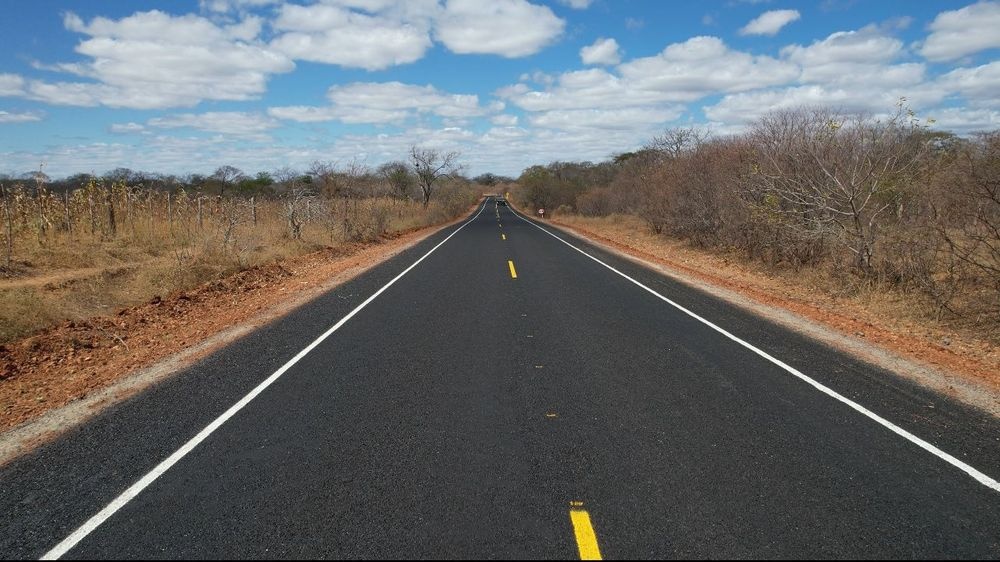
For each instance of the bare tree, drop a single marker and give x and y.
(677, 141)
(356, 179)
(296, 195)
(324, 178)
(227, 176)
(8, 224)
(431, 165)
(397, 175)
(968, 218)
(835, 175)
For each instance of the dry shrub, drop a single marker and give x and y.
(106, 245)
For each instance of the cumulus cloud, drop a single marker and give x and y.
(704, 65)
(963, 120)
(504, 119)
(153, 60)
(770, 23)
(582, 89)
(222, 6)
(384, 102)
(509, 28)
(979, 85)
(860, 57)
(628, 119)
(686, 71)
(23, 117)
(602, 51)
(338, 35)
(126, 128)
(11, 85)
(957, 33)
(577, 4)
(735, 109)
(233, 123)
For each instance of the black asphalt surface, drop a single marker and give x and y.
(459, 413)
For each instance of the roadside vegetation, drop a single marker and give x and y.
(87, 245)
(853, 205)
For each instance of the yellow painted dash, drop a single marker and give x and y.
(586, 539)
(503, 236)
(513, 272)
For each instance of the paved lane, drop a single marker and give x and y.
(461, 412)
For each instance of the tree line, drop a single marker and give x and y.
(352, 201)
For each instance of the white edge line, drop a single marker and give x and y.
(135, 489)
(971, 471)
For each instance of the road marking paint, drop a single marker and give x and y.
(128, 495)
(503, 236)
(513, 272)
(551, 415)
(977, 475)
(539, 366)
(586, 539)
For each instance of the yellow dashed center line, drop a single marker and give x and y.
(513, 272)
(503, 236)
(586, 539)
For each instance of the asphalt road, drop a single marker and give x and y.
(465, 413)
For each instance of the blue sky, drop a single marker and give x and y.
(188, 86)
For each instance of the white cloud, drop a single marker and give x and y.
(505, 133)
(27, 116)
(704, 65)
(646, 90)
(957, 33)
(155, 60)
(577, 4)
(396, 95)
(11, 85)
(222, 6)
(979, 85)
(854, 57)
(338, 35)
(964, 121)
(509, 28)
(126, 128)
(506, 120)
(581, 89)
(385, 102)
(634, 24)
(770, 23)
(233, 123)
(602, 51)
(867, 45)
(744, 107)
(624, 119)
(85, 94)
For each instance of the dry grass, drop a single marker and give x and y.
(84, 268)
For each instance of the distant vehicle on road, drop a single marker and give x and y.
(501, 202)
